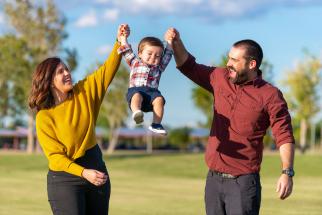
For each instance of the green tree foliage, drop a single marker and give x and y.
(14, 56)
(114, 108)
(39, 28)
(180, 137)
(302, 95)
(302, 83)
(39, 32)
(203, 100)
(40, 25)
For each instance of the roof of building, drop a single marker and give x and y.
(123, 132)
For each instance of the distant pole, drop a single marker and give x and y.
(321, 136)
(312, 136)
(30, 137)
(113, 141)
(149, 142)
(303, 130)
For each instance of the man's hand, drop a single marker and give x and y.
(284, 186)
(180, 53)
(171, 35)
(123, 33)
(95, 177)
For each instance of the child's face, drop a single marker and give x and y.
(151, 55)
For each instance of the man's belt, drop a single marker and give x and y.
(223, 175)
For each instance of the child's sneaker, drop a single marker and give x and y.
(157, 128)
(137, 116)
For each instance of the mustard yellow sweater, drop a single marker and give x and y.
(67, 130)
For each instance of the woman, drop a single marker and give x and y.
(77, 180)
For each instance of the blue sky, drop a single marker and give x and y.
(208, 28)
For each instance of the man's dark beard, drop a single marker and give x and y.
(241, 77)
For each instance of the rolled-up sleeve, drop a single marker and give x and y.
(280, 120)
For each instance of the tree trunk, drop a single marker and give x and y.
(321, 137)
(30, 138)
(303, 130)
(113, 141)
(312, 139)
(100, 143)
(149, 140)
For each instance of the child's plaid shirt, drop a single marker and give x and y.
(143, 75)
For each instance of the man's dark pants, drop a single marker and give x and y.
(232, 196)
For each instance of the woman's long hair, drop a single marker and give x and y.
(40, 95)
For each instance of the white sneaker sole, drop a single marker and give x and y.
(138, 117)
(162, 132)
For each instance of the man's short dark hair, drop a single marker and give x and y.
(253, 50)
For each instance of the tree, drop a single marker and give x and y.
(41, 27)
(302, 95)
(180, 137)
(14, 52)
(203, 100)
(114, 108)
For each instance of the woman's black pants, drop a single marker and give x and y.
(72, 195)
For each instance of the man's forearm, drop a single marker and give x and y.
(287, 155)
(179, 52)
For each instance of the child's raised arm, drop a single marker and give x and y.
(125, 48)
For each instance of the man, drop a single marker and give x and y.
(244, 107)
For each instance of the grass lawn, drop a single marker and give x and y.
(158, 185)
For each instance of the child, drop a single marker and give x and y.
(143, 94)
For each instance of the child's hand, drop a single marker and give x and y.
(171, 35)
(123, 33)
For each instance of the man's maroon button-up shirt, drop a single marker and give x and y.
(242, 114)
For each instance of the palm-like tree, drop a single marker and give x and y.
(302, 96)
(114, 108)
(41, 27)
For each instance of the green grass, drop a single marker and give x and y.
(158, 185)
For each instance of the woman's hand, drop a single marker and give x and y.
(95, 177)
(123, 33)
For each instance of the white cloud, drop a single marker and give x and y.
(102, 1)
(220, 9)
(148, 6)
(214, 10)
(105, 49)
(88, 20)
(209, 9)
(111, 14)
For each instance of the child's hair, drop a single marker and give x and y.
(151, 41)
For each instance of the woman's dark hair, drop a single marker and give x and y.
(40, 95)
(253, 50)
(151, 41)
